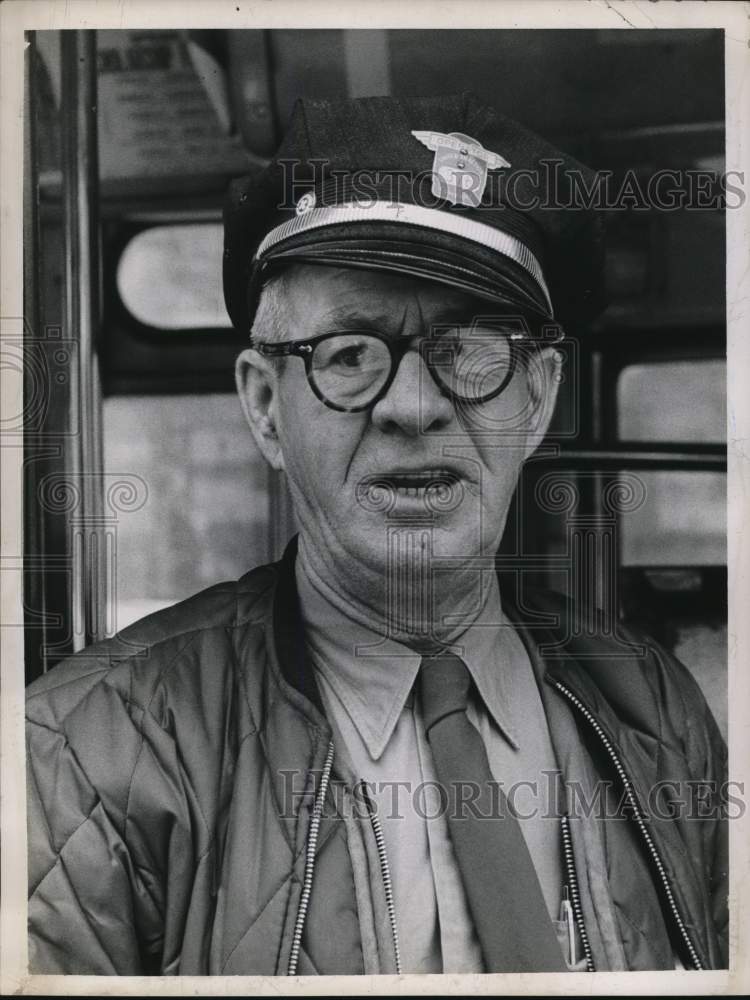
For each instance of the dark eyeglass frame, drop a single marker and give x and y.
(397, 348)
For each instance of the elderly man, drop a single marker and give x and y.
(366, 759)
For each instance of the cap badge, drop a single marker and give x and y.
(306, 203)
(459, 170)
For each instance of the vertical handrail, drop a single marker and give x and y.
(35, 643)
(82, 316)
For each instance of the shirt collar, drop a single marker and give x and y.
(373, 675)
(494, 654)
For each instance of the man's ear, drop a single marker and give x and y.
(257, 387)
(544, 375)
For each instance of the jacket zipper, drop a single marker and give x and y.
(575, 896)
(385, 873)
(312, 843)
(640, 821)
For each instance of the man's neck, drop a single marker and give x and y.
(422, 616)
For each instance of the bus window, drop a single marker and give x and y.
(681, 523)
(683, 519)
(202, 511)
(660, 402)
(169, 277)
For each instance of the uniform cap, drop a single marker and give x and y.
(444, 188)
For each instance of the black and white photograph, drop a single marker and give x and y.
(373, 601)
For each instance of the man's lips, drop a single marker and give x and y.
(413, 479)
(437, 490)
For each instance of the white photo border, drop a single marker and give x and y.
(17, 16)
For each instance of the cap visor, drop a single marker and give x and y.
(425, 253)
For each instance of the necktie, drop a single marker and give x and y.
(503, 891)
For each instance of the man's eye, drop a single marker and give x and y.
(348, 357)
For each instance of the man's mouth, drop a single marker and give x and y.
(421, 479)
(440, 486)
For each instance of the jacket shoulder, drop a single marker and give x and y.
(645, 684)
(132, 662)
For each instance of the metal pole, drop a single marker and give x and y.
(82, 316)
(35, 633)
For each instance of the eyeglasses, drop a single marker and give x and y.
(351, 371)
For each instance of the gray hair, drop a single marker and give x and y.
(270, 323)
(271, 317)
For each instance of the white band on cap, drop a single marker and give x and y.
(415, 215)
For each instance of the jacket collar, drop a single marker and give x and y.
(607, 669)
(289, 634)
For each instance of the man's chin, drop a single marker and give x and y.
(395, 548)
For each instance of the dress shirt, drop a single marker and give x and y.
(367, 686)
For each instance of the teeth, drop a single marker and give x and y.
(425, 486)
(415, 491)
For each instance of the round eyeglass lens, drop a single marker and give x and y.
(350, 369)
(472, 363)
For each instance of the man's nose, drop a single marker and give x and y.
(413, 402)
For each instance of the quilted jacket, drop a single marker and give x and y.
(163, 838)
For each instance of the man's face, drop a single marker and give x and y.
(410, 436)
